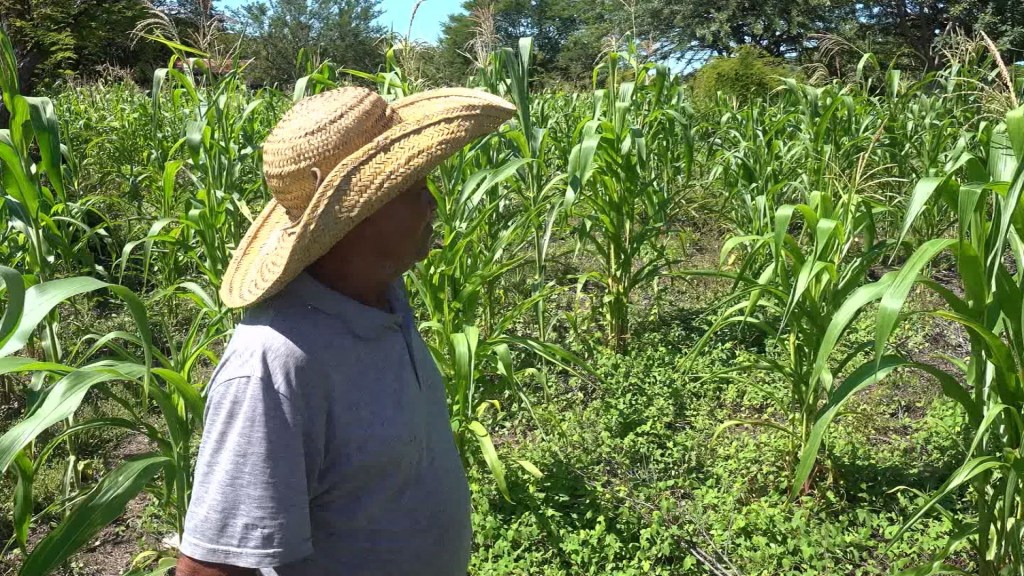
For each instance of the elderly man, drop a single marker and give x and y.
(327, 447)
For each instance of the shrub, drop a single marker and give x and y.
(747, 73)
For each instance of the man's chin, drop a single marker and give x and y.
(431, 242)
(425, 249)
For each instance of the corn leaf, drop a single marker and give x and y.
(961, 476)
(8, 68)
(62, 401)
(47, 133)
(23, 502)
(867, 374)
(40, 300)
(894, 299)
(529, 467)
(101, 507)
(491, 457)
(14, 286)
(925, 189)
(848, 310)
(1015, 131)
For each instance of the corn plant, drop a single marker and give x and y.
(316, 77)
(136, 376)
(801, 282)
(51, 228)
(986, 196)
(48, 227)
(129, 379)
(392, 82)
(809, 277)
(123, 366)
(108, 126)
(540, 191)
(471, 331)
(755, 164)
(628, 203)
(923, 138)
(208, 179)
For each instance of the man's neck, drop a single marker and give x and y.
(369, 287)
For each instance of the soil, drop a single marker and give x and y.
(111, 553)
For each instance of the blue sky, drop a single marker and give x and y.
(427, 26)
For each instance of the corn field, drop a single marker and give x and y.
(878, 199)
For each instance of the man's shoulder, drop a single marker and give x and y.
(285, 325)
(275, 341)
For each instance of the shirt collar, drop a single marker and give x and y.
(365, 321)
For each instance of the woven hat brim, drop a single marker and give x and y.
(276, 250)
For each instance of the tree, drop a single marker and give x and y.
(40, 37)
(58, 38)
(907, 25)
(193, 23)
(102, 36)
(186, 10)
(787, 28)
(1003, 20)
(342, 31)
(746, 75)
(916, 25)
(777, 27)
(568, 34)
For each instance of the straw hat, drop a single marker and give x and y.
(333, 160)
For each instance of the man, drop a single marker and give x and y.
(327, 447)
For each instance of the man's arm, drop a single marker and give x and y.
(191, 567)
(249, 505)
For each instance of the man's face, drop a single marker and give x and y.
(399, 233)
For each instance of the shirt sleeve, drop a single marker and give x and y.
(250, 496)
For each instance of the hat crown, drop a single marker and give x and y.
(314, 136)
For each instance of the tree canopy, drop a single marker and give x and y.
(56, 38)
(342, 31)
(62, 38)
(790, 27)
(568, 34)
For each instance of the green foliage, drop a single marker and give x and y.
(632, 484)
(778, 27)
(689, 29)
(989, 258)
(566, 34)
(55, 39)
(745, 75)
(341, 31)
(629, 203)
(784, 413)
(44, 30)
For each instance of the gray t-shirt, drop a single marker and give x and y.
(327, 447)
